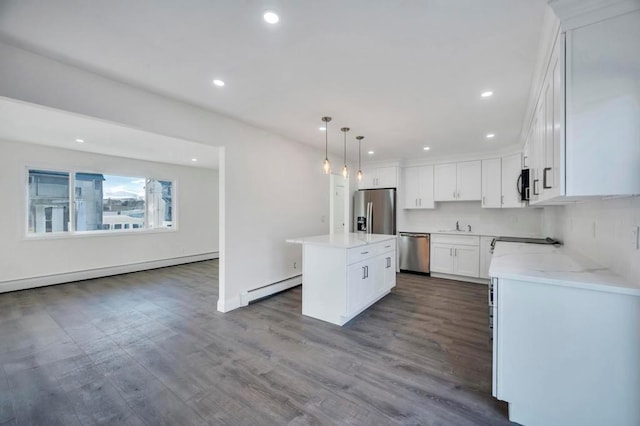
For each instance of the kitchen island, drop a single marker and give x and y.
(566, 338)
(344, 274)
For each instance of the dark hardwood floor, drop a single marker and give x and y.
(150, 348)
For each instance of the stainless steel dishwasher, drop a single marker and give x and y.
(414, 252)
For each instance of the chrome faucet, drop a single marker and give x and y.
(457, 226)
(469, 228)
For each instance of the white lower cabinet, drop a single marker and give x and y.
(455, 254)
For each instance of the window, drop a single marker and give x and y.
(100, 202)
(48, 202)
(159, 199)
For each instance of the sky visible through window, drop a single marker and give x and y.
(119, 187)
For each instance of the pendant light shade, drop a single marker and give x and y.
(345, 170)
(359, 174)
(327, 165)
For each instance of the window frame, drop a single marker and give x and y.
(71, 226)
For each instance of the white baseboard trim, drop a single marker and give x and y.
(269, 289)
(26, 283)
(460, 278)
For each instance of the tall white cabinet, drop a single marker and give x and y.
(583, 136)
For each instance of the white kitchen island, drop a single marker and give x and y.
(344, 274)
(566, 338)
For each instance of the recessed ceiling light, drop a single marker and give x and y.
(271, 17)
(80, 140)
(490, 135)
(427, 148)
(218, 83)
(371, 152)
(487, 94)
(194, 159)
(322, 129)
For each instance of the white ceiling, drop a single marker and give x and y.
(23, 122)
(403, 73)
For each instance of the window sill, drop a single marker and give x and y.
(98, 234)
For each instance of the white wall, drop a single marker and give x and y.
(270, 188)
(493, 222)
(23, 258)
(612, 244)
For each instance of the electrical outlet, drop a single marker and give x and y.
(635, 237)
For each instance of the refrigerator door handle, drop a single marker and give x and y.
(369, 213)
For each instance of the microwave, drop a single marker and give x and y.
(523, 185)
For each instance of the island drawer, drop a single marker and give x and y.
(367, 251)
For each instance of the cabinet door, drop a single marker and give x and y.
(411, 187)
(466, 261)
(389, 268)
(511, 169)
(387, 177)
(359, 285)
(369, 179)
(492, 183)
(441, 258)
(425, 198)
(469, 178)
(485, 256)
(444, 182)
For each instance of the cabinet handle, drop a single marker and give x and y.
(455, 252)
(364, 274)
(420, 201)
(454, 194)
(535, 192)
(544, 177)
(388, 262)
(483, 201)
(387, 246)
(416, 202)
(458, 195)
(524, 162)
(502, 199)
(366, 268)
(365, 252)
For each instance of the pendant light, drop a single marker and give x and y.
(345, 170)
(327, 165)
(359, 174)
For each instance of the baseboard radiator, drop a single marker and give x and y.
(269, 289)
(26, 283)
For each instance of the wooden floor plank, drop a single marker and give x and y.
(150, 348)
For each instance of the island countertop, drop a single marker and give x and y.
(346, 241)
(556, 266)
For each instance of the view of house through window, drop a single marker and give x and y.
(48, 201)
(101, 202)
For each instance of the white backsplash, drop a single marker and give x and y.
(494, 222)
(601, 230)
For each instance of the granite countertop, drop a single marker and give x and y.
(556, 266)
(343, 240)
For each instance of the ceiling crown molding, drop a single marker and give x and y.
(576, 13)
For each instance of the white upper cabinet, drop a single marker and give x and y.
(458, 181)
(469, 180)
(379, 177)
(511, 169)
(587, 143)
(492, 183)
(418, 187)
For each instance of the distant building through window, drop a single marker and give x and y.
(101, 202)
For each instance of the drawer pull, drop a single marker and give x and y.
(365, 252)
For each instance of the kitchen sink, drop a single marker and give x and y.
(462, 231)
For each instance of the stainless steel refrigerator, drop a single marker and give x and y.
(374, 211)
